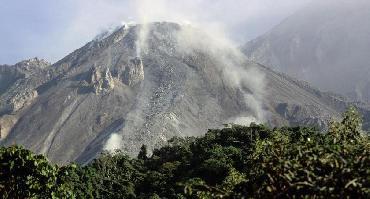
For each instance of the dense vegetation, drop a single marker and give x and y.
(234, 162)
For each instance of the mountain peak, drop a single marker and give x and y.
(34, 62)
(121, 29)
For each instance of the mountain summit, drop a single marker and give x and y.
(144, 85)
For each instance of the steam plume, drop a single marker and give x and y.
(114, 142)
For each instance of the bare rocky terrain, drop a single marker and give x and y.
(120, 92)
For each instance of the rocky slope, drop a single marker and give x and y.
(144, 85)
(18, 90)
(327, 43)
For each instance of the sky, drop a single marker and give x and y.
(53, 29)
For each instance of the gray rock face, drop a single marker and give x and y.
(17, 74)
(18, 85)
(326, 43)
(7, 122)
(103, 96)
(101, 81)
(134, 73)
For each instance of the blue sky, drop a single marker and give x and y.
(51, 29)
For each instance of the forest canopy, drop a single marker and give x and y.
(253, 161)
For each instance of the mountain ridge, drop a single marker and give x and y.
(325, 43)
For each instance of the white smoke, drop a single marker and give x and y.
(147, 11)
(246, 121)
(114, 142)
(236, 73)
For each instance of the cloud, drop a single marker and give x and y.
(52, 29)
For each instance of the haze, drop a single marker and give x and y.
(52, 29)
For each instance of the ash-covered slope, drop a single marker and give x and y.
(326, 43)
(146, 84)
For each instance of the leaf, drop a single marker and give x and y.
(352, 182)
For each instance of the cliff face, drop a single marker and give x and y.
(106, 95)
(326, 43)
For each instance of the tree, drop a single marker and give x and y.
(235, 162)
(26, 175)
(143, 154)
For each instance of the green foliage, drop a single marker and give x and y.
(25, 175)
(349, 129)
(110, 176)
(234, 162)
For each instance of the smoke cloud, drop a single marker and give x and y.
(114, 142)
(249, 80)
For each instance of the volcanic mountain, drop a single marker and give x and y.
(143, 85)
(327, 43)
